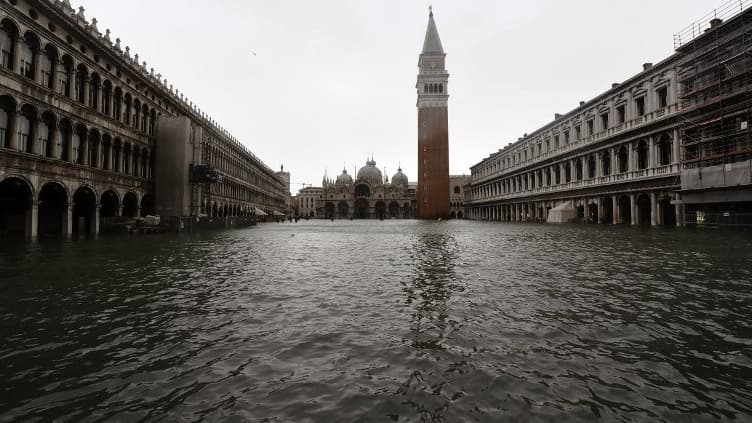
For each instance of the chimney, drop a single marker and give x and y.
(614, 85)
(715, 23)
(582, 103)
(557, 116)
(646, 66)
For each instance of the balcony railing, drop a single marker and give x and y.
(619, 178)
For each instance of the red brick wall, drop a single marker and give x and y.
(433, 163)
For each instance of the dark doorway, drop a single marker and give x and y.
(53, 204)
(15, 205)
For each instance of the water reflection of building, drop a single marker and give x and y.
(368, 196)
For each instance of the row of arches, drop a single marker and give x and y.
(617, 160)
(54, 211)
(58, 72)
(362, 209)
(30, 130)
(433, 88)
(635, 208)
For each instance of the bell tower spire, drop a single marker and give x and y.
(433, 126)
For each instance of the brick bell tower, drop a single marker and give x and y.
(433, 128)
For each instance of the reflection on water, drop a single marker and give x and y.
(380, 321)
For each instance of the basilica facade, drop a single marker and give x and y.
(369, 195)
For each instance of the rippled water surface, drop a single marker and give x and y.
(380, 321)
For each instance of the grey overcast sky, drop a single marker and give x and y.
(334, 80)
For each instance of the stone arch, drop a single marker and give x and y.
(644, 206)
(48, 63)
(130, 205)
(109, 207)
(128, 105)
(16, 196)
(623, 158)
(84, 210)
(625, 209)
(30, 48)
(147, 205)
(117, 101)
(380, 209)
(343, 209)
(9, 33)
(53, 200)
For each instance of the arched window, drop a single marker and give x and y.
(127, 117)
(29, 47)
(425, 88)
(64, 76)
(456, 189)
(94, 91)
(106, 97)
(606, 163)
(117, 103)
(623, 157)
(642, 155)
(47, 65)
(44, 137)
(567, 173)
(591, 167)
(26, 125)
(66, 133)
(8, 33)
(441, 88)
(665, 147)
(81, 76)
(152, 122)
(136, 113)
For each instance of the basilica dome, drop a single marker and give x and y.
(399, 178)
(370, 173)
(344, 178)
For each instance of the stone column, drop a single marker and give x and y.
(32, 221)
(95, 221)
(85, 87)
(633, 208)
(55, 143)
(15, 138)
(17, 55)
(601, 214)
(654, 220)
(676, 156)
(110, 153)
(630, 157)
(34, 136)
(616, 218)
(53, 75)
(98, 100)
(614, 161)
(37, 68)
(679, 207)
(68, 221)
(651, 152)
(84, 147)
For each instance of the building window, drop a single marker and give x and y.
(24, 131)
(590, 127)
(620, 115)
(640, 106)
(577, 133)
(604, 121)
(662, 97)
(6, 49)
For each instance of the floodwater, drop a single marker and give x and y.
(393, 321)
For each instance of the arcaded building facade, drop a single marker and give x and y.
(614, 158)
(89, 134)
(368, 196)
(669, 146)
